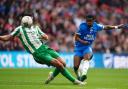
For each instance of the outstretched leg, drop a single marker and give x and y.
(84, 66)
(64, 71)
(53, 74)
(51, 57)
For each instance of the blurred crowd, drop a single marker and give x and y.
(60, 19)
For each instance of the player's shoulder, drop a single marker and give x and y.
(83, 25)
(98, 24)
(18, 27)
(36, 26)
(95, 23)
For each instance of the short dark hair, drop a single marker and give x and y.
(90, 16)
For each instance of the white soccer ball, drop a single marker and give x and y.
(27, 20)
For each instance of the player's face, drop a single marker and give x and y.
(89, 21)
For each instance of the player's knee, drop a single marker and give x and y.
(88, 57)
(64, 64)
(61, 61)
(60, 65)
(56, 63)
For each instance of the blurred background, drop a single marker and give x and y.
(61, 18)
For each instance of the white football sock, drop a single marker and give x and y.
(80, 68)
(85, 66)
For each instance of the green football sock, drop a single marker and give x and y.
(67, 74)
(55, 72)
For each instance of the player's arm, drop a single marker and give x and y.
(6, 37)
(109, 27)
(77, 38)
(10, 36)
(42, 34)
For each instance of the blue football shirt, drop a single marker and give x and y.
(88, 34)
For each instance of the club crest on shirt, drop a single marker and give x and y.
(91, 30)
(89, 37)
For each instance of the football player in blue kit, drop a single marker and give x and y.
(84, 37)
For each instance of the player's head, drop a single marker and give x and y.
(27, 21)
(90, 19)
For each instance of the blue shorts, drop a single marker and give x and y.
(83, 51)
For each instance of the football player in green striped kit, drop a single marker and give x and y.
(30, 36)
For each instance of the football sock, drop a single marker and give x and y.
(85, 67)
(67, 74)
(55, 72)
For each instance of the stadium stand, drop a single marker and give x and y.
(61, 18)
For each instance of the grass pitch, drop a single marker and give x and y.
(34, 79)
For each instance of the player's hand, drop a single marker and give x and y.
(1, 38)
(86, 43)
(76, 37)
(83, 42)
(119, 26)
(122, 26)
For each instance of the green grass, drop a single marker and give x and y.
(34, 79)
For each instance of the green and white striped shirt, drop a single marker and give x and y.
(30, 37)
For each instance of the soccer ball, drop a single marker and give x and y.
(27, 20)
